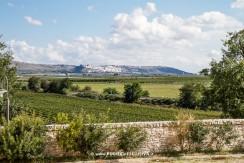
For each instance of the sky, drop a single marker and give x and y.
(185, 34)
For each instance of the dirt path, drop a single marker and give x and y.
(230, 158)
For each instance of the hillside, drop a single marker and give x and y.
(30, 68)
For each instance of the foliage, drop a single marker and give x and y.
(23, 138)
(191, 95)
(6, 68)
(145, 93)
(221, 135)
(83, 134)
(87, 92)
(59, 86)
(112, 97)
(182, 129)
(48, 105)
(109, 91)
(196, 136)
(159, 101)
(228, 77)
(75, 88)
(204, 72)
(34, 84)
(132, 92)
(62, 118)
(45, 85)
(130, 138)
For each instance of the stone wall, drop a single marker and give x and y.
(159, 135)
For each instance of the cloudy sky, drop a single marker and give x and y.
(185, 34)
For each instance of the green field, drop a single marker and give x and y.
(48, 105)
(158, 86)
(129, 79)
(155, 89)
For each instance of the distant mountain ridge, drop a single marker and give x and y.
(30, 68)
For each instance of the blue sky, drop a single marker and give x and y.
(135, 32)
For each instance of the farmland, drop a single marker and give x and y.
(48, 105)
(160, 86)
(155, 89)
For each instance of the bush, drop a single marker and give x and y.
(59, 86)
(23, 138)
(221, 135)
(145, 94)
(130, 138)
(110, 91)
(89, 94)
(62, 118)
(196, 136)
(182, 129)
(34, 84)
(83, 135)
(159, 101)
(132, 92)
(45, 85)
(86, 88)
(75, 88)
(112, 97)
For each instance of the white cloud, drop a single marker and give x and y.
(141, 39)
(90, 8)
(33, 21)
(238, 4)
(150, 7)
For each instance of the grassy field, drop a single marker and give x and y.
(155, 89)
(48, 105)
(129, 79)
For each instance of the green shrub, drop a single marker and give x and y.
(182, 129)
(159, 101)
(112, 97)
(34, 84)
(89, 94)
(196, 135)
(59, 86)
(83, 134)
(86, 88)
(62, 118)
(145, 93)
(110, 91)
(130, 138)
(221, 135)
(75, 88)
(23, 138)
(45, 85)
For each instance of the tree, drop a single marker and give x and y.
(132, 92)
(228, 76)
(34, 84)
(6, 67)
(45, 85)
(191, 95)
(7, 75)
(204, 72)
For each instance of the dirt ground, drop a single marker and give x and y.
(232, 158)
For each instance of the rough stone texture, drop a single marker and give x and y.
(160, 135)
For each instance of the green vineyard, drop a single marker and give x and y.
(48, 105)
